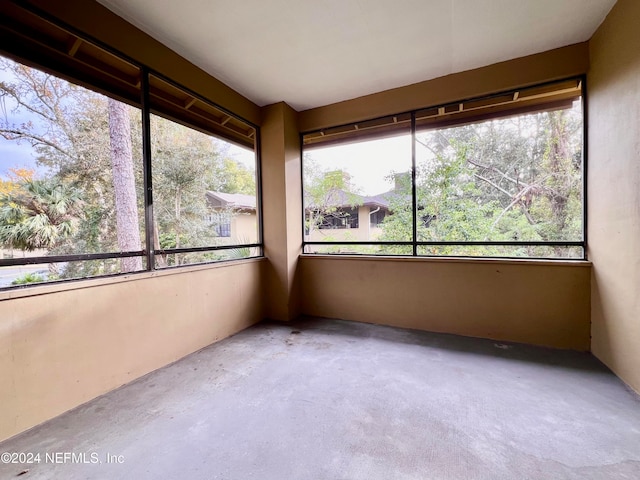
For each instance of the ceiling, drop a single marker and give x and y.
(310, 53)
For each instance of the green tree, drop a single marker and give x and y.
(84, 139)
(69, 128)
(233, 177)
(515, 179)
(184, 163)
(39, 214)
(325, 192)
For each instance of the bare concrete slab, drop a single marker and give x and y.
(327, 399)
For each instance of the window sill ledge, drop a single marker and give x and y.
(471, 260)
(81, 283)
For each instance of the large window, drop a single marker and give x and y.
(204, 195)
(350, 187)
(493, 177)
(114, 170)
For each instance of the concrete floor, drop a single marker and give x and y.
(342, 400)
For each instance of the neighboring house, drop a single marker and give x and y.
(233, 215)
(351, 217)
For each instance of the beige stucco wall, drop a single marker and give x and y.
(282, 209)
(542, 303)
(614, 190)
(65, 347)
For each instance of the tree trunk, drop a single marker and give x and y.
(161, 260)
(124, 186)
(558, 163)
(559, 166)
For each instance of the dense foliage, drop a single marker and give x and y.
(510, 179)
(71, 205)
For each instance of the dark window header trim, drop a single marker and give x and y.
(545, 97)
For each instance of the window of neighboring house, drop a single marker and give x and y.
(342, 217)
(221, 223)
(494, 177)
(224, 229)
(89, 188)
(376, 216)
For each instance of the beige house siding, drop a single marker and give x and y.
(244, 228)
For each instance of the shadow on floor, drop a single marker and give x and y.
(547, 356)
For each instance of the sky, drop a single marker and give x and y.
(20, 154)
(12, 153)
(368, 163)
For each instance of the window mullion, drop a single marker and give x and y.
(585, 165)
(414, 198)
(146, 167)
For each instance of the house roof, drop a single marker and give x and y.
(343, 198)
(379, 200)
(231, 200)
(336, 198)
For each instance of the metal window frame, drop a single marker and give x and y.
(415, 243)
(149, 252)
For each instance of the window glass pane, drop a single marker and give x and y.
(359, 191)
(510, 179)
(497, 251)
(176, 259)
(360, 249)
(204, 192)
(50, 272)
(503, 168)
(70, 172)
